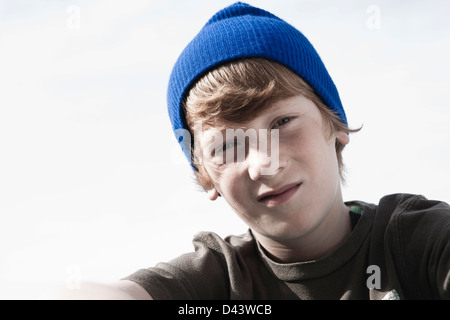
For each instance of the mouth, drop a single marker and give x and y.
(279, 196)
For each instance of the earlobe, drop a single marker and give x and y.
(213, 194)
(343, 137)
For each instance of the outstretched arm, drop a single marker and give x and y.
(119, 290)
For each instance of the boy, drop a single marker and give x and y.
(262, 125)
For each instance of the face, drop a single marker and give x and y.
(304, 189)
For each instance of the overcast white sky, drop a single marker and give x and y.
(92, 183)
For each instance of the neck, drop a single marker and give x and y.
(317, 244)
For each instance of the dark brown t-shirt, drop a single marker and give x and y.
(399, 249)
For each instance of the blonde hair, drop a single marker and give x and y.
(240, 90)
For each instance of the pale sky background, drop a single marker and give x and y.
(92, 183)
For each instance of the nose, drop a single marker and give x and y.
(258, 163)
(254, 172)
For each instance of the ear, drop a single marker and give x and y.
(343, 137)
(213, 194)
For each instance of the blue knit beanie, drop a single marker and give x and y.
(242, 31)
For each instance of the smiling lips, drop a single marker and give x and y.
(279, 196)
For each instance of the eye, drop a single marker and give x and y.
(228, 145)
(224, 147)
(282, 121)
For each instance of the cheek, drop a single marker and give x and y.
(298, 145)
(234, 189)
(226, 179)
(311, 150)
(325, 164)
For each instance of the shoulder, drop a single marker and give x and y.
(233, 244)
(205, 273)
(410, 218)
(238, 255)
(418, 237)
(404, 212)
(415, 213)
(410, 225)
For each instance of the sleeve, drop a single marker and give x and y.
(440, 265)
(423, 249)
(217, 270)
